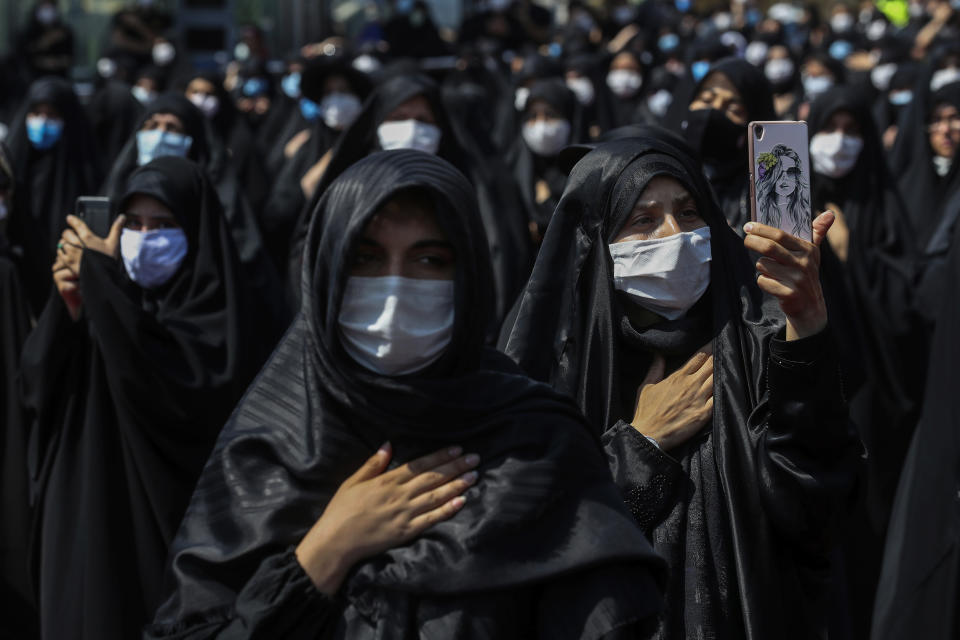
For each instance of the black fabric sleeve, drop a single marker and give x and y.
(808, 453)
(278, 601)
(161, 369)
(648, 478)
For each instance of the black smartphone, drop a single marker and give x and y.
(95, 211)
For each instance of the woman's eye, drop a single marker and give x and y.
(434, 260)
(364, 258)
(689, 214)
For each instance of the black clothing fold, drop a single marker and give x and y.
(745, 511)
(127, 402)
(543, 547)
(920, 580)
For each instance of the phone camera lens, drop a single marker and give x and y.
(758, 131)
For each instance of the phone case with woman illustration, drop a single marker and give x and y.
(780, 176)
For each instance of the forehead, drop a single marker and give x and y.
(141, 204)
(719, 82)
(787, 162)
(412, 212)
(944, 109)
(662, 189)
(201, 85)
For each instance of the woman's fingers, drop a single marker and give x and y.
(440, 475)
(444, 512)
(80, 227)
(374, 465)
(441, 495)
(415, 467)
(789, 242)
(778, 271)
(775, 287)
(772, 249)
(822, 224)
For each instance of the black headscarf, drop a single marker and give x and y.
(720, 142)
(287, 199)
(498, 200)
(50, 181)
(528, 167)
(114, 114)
(128, 402)
(929, 196)
(314, 415)
(209, 152)
(573, 332)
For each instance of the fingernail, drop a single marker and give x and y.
(748, 227)
(458, 502)
(472, 459)
(469, 476)
(384, 448)
(454, 451)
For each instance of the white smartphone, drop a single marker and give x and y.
(780, 177)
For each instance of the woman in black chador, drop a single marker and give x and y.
(280, 541)
(737, 464)
(131, 371)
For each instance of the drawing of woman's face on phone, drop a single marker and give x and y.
(787, 182)
(781, 196)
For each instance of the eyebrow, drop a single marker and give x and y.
(429, 243)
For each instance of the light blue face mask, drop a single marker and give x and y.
(156, 144)
(291, 85)
(901, 98)
(309, 109)
(43, 132)
(699, 69)
(151, 258)
(668, 42)
(255, 87)
(840, 50)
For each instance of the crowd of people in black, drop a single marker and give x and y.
(422, 333)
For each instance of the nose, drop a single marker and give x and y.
(669, 227)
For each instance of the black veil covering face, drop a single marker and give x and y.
(744, 511)
(543, 539)
(500, 206)
(15, 584)
(930, 197)
(50, 182)
(127, 403)
(919, 582)
(114, 114)
(721, 143)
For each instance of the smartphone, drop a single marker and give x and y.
(780, 176)
(95, 212)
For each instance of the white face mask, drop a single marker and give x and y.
(152, 257)
(756, 52)
(582, 88)
(339, 110)
(409, 134)
(834, 154)
(881, 75)
(659, 102)
(778, 70)
(208, 103)
(664, 275)
(143, 95)
(546, 137)
(943, 77)
(156, 144)
(815, 86)
(624, 82)
(841, 22)
(163, 53)
(395, 326)
(520, 98)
